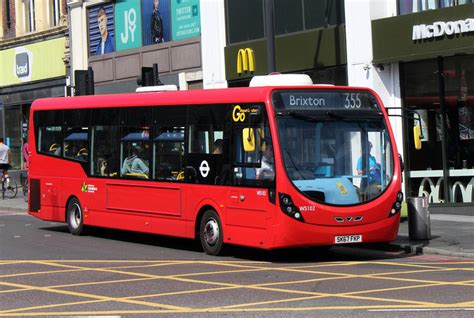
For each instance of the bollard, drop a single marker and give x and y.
(419, 227)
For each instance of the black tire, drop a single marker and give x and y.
(25, 190)
(12, 189)
(210, 233)
(75, 217)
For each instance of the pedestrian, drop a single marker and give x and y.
(5, 159)
(25, 153)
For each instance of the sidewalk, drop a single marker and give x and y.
(451, 235)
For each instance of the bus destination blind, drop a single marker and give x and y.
(310, 100)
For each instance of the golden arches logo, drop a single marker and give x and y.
(238, 114)
(245, 61)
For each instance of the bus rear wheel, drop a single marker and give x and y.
(210, 233)
(75, 217)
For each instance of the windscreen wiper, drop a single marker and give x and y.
(293, 163)
(301, 116)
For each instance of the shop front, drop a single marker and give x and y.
(435, 52)
(29, 72)
(310, 38)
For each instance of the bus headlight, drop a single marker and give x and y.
(288, 207)
(396, 207)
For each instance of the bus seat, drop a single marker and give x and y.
(54, 147)
(82, 152)
(136, 175)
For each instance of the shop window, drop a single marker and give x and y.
(319, 14)
(29, 15)
(54, 12)
(13, 133)
(8, 17)
(245, 20)
(442, 169)
(411, 6)
(451, 3)
(288, 16)
(330, 75)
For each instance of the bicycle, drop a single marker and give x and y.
(24, 185)
(9, 187)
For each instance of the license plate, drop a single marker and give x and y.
(348, 239)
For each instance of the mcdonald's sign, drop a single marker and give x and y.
(245, 61)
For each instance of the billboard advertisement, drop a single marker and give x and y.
(186, 19)
(156, 27)
(128, 24)
(101, 29)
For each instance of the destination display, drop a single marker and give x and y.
(310, 100)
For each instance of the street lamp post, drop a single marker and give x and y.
(270, 33)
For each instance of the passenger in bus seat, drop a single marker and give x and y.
(133, 164)
(218, 146)
(266, 170)
(102, 167)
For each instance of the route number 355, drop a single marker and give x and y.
(352, 100)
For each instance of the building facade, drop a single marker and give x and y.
(433, 45)
(34, 56)
(117, 38)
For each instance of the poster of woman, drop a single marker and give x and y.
(155, 21)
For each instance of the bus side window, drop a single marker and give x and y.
(105, 134)
(207, 143)
(50, 133)
(168, 147)
(76, 143)
(169, 153)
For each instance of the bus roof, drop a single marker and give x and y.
(208, 96)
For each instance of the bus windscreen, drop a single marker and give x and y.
(315, 99)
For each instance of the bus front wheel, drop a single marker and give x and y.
(75, 217)
(210, 233)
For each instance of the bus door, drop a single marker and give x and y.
(248, 202)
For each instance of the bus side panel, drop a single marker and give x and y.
(55, 189)
(148, 207)
(129, 221)
(248, 215)
(164, 200)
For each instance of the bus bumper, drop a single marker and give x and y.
(297, 234)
